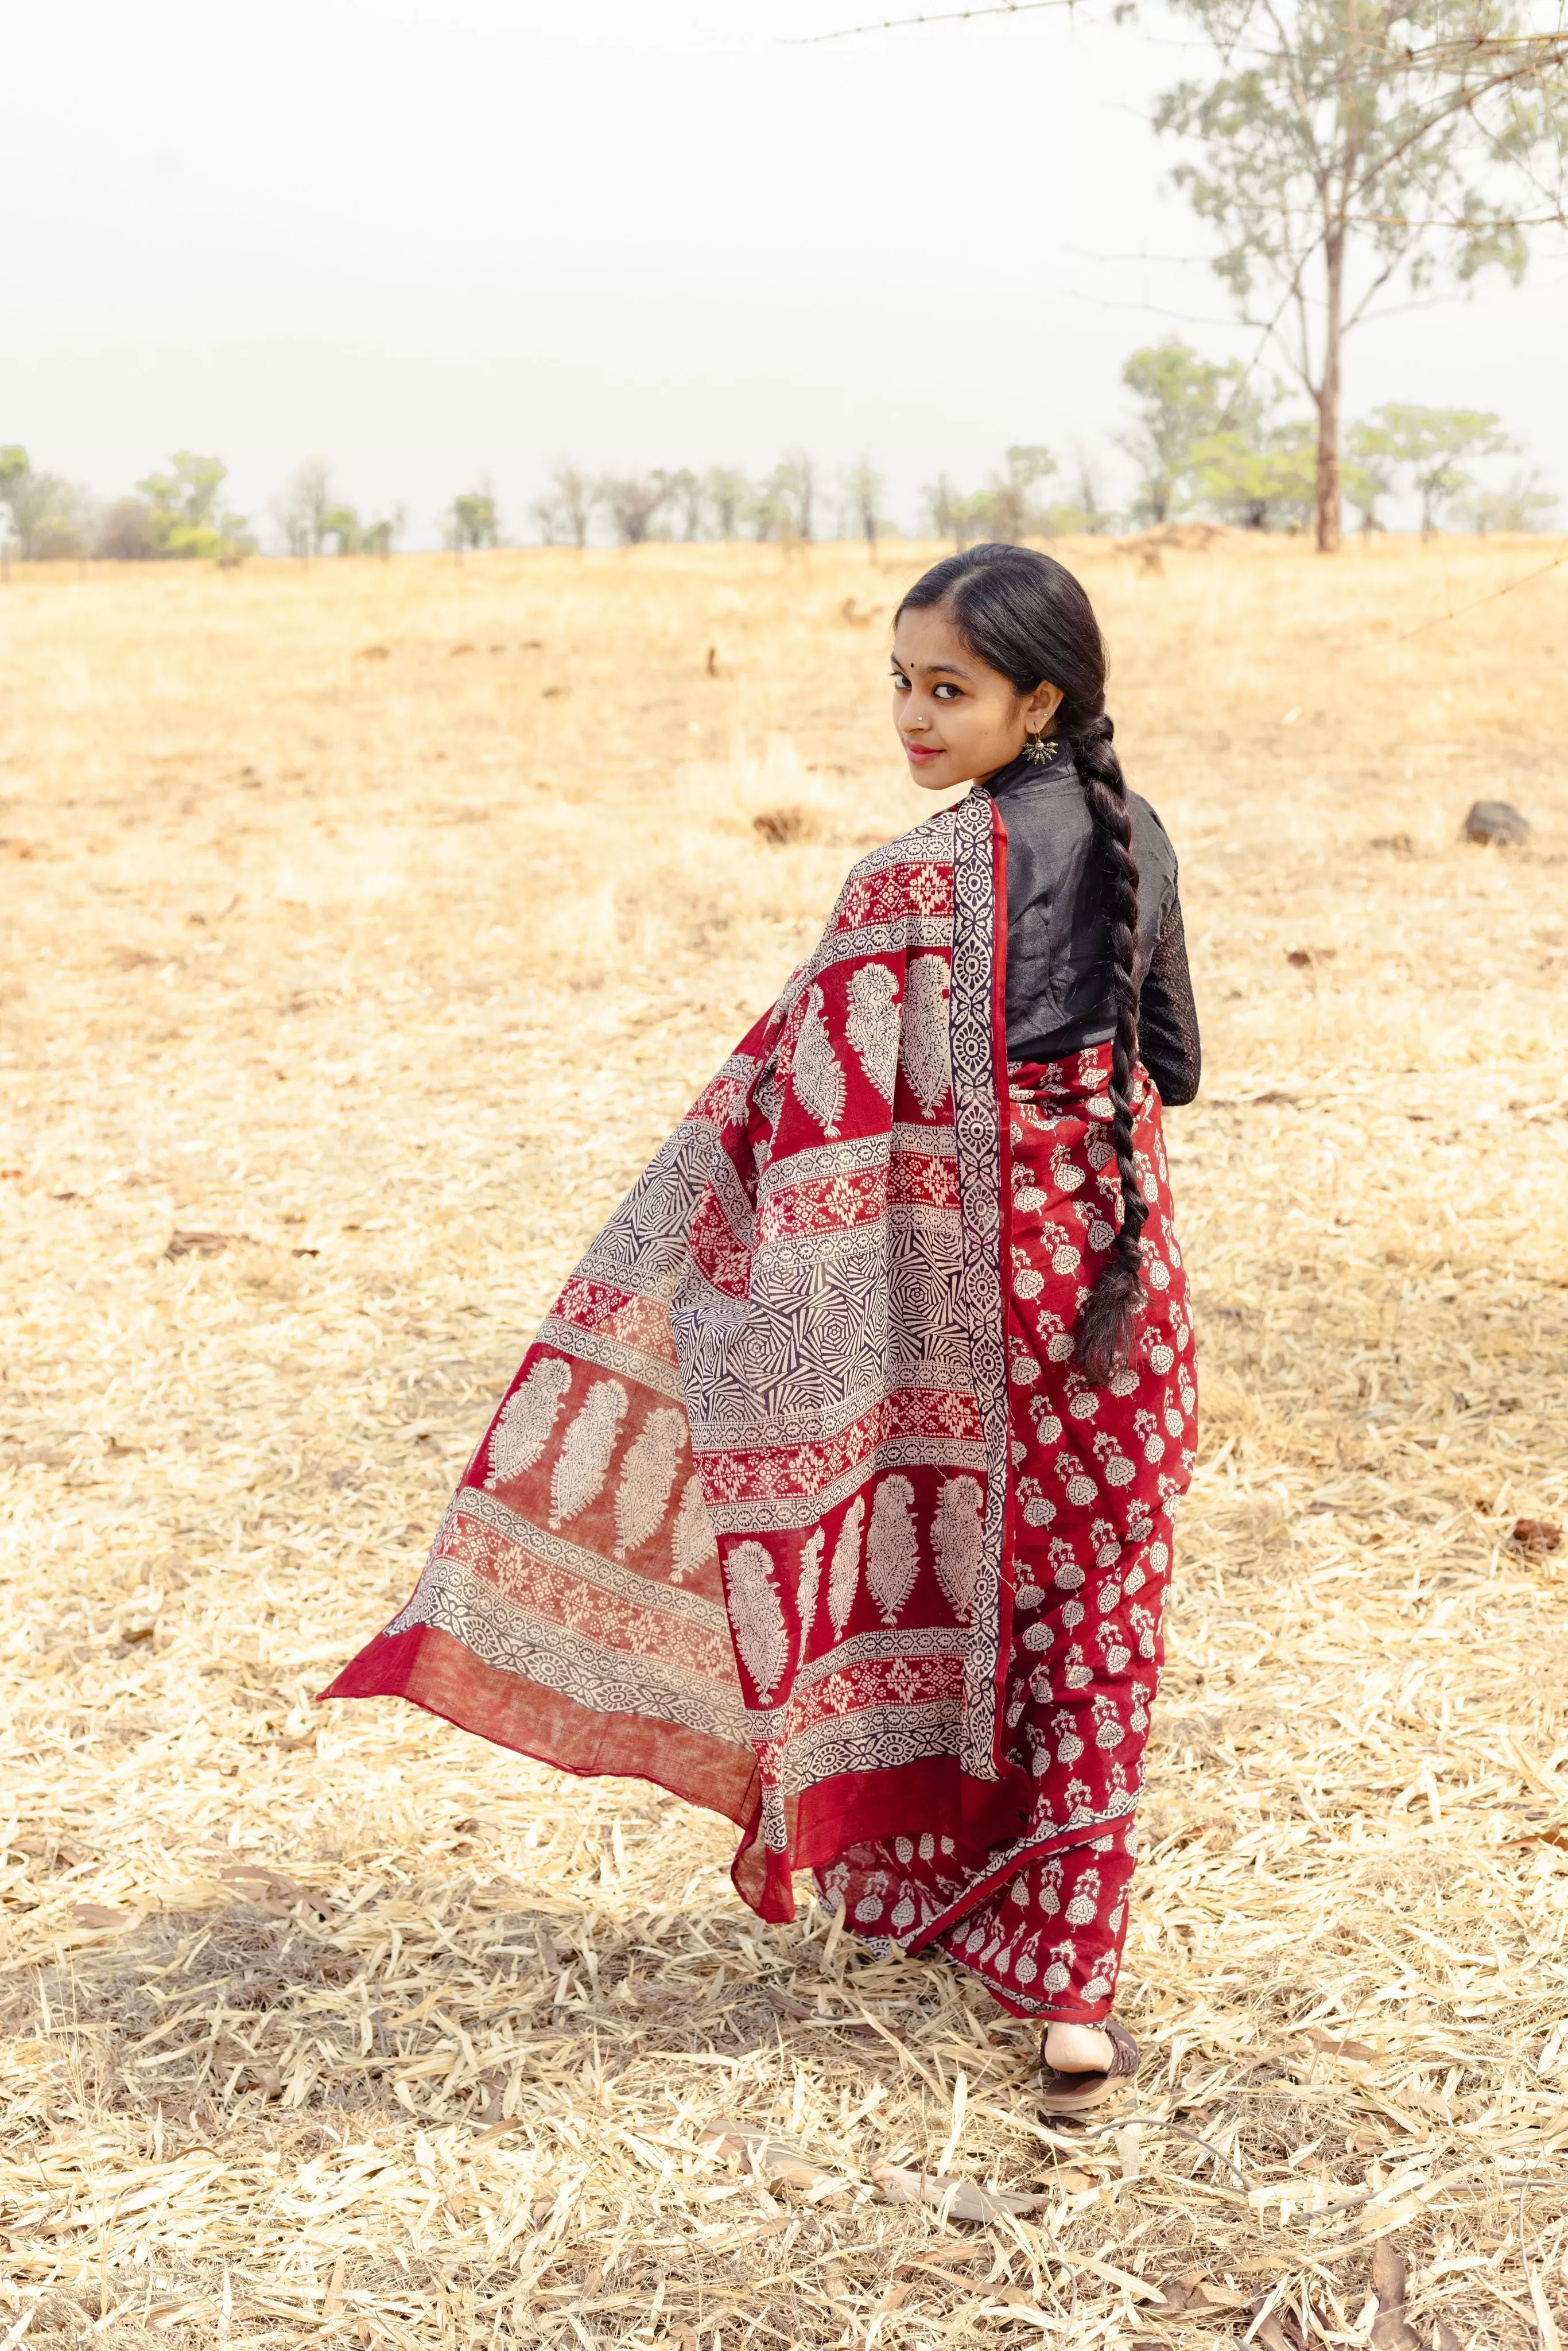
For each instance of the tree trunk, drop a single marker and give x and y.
(1328, 397)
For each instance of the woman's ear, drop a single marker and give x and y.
(1041, 707)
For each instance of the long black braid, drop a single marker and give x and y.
(1025, 615)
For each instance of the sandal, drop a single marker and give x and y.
(1073, 2094)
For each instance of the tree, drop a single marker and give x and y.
(1350, 148)
(474, 522)
(864, 488)
(728, 496)
(342, 524)
(1082, 513)
(1008, 509)
(1369, 474)
(1434, 443)
(634, 500)
(303, 507)
(50, 517)
(1256, 469)
(565, 509)
(944, 506)
(784, 506)
(377, 537)
(686, 491)
(182, 502)
(1181, 401)
(1523, 505)
(126, 533)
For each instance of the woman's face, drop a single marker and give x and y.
(956, 718)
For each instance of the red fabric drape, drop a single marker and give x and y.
(743, 1522)
(1097, 1476)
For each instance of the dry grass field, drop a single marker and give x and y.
(366, 927)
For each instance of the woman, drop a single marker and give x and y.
(836, 1491)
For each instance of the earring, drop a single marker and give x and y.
(1040, 749)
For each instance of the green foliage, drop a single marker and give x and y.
(783, 508)
(1257, 470)
(727, 494)
(1369, 471)
(1434, 443)
(48, 517)
(1008, 509)
(474, 522)
(1182, 401)
(342, 525)
(183, 516)
(1347, 148)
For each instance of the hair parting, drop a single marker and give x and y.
(1027, 617)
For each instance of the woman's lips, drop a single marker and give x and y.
(920, 751)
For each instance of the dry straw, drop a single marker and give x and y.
(367, 926)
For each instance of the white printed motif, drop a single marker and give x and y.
(893, 1550)
(810, 1585)
(956, 1537)
(871, 1025)
(818, 1081)
(844, 1575)
(756, 1614)
(584, 1460)
(692, 1541)
(647, 1479)
(526, 1422)
(925, 1049)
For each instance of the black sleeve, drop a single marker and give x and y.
(1167, 1017)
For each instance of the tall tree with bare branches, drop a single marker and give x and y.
(1351, 150)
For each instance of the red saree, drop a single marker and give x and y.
(744, 1524)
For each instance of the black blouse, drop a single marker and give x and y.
(1059, 996)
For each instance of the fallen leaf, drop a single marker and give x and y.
(256, 1883)
(1358, 2052)
(784, 2002)
(98, 1914)
(741, 2142)
(963, 2199)
(334, 2294)
(1201, 2288)
(1391, 2330)
(945, 2268)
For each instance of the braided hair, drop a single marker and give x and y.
(1027, 617)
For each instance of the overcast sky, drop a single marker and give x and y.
(432, 239)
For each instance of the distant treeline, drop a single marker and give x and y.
(1203, 439)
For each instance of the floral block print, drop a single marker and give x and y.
(1096, 1476)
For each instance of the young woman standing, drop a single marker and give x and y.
(836, 1493)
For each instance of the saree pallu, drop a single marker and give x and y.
(1042, 1921)
(747, 1521)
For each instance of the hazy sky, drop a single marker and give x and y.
(433, 238)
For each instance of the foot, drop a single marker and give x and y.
(1078, 2049)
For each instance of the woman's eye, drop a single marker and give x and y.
(941, 690)
(900, 683)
